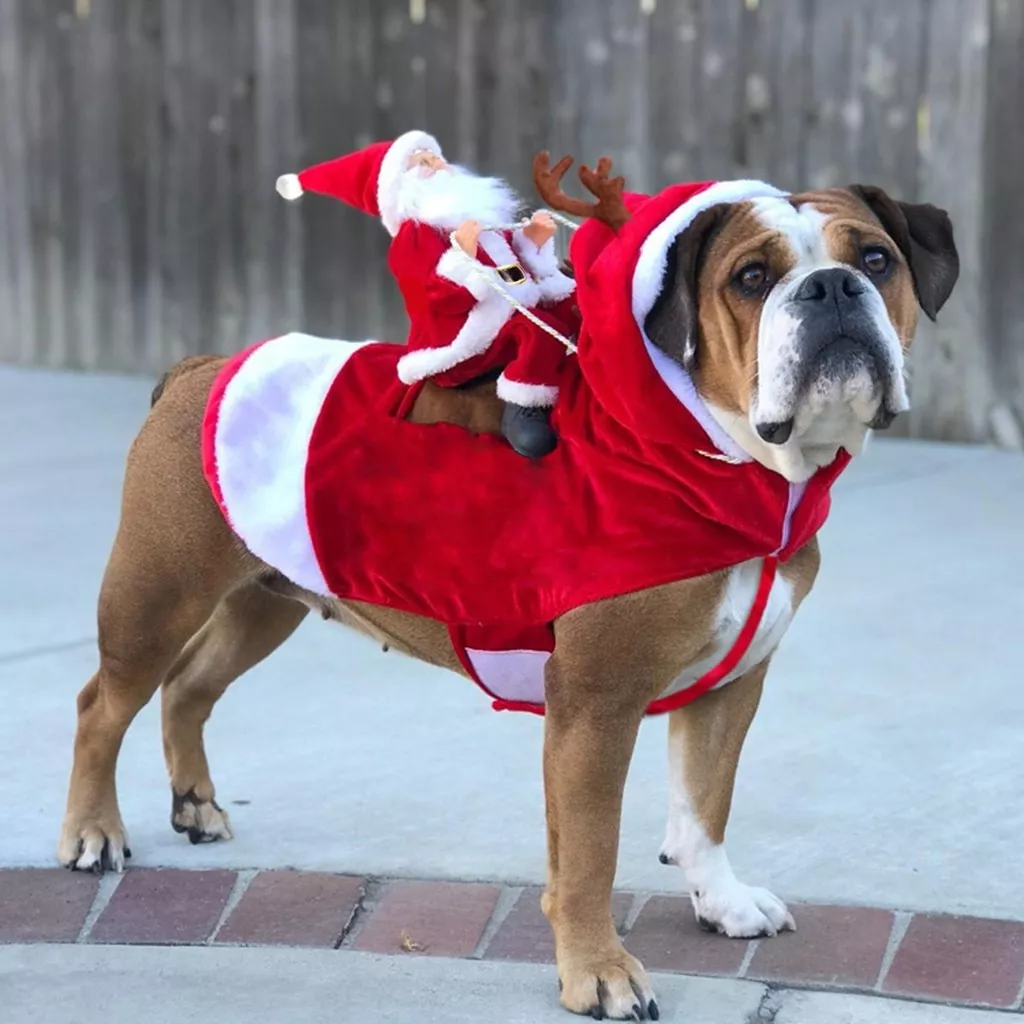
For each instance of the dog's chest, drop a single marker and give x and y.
(733, 613)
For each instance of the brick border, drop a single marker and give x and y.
(960, 961)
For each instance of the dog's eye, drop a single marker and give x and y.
(752, 279)
(875, 260)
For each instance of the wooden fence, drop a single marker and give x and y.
(140, 141)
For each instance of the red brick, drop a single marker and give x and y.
(435, 918)
(666, 937)
(526, 935)
(291, 908)
(839, 946)
(163, 907)
(960, 960)
(44, 904)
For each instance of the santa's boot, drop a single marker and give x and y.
(527, 428)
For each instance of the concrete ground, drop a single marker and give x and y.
(883, 768)
(43, 985)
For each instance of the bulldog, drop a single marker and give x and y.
(765, 332)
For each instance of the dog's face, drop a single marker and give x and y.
(793, 315)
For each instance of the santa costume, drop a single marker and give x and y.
(311, 459)
(462, 325)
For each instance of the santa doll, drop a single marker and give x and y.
(462, 325)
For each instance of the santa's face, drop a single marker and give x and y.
(425, 163)
(433, 191)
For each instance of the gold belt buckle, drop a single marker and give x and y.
(512, 273)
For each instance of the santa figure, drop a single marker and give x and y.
(462, 326)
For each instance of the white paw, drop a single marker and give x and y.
(741, 911)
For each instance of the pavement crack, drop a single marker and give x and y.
(369, 894)
(768, 1009)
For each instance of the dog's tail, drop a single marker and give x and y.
(187, 364)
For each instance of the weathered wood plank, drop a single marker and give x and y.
(776, 65)
(141, 143)
(275, 258)
(1004, 222)
(674, 73)
(835, 116)
(951, 367)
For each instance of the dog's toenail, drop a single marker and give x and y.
(652, 1010)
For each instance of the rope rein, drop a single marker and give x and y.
(484, 273)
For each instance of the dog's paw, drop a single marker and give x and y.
(612, 987)
(204, 820)
(742, 911)
(96, 848)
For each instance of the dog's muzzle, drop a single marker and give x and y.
(840, 352)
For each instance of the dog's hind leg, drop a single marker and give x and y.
(142, 629)
(173, 559)
(249, 624)
(705, 739)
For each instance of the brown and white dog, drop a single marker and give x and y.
(794, 314)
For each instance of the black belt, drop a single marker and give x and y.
(512, 273)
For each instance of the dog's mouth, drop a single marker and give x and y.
(845, 376)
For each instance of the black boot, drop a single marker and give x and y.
(528, 430)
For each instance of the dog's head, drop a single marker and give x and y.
(793, 313)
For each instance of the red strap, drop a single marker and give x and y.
(708, 681)
(713, 677)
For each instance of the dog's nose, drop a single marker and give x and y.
(776, 433)
(835, 284)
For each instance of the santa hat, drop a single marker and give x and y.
(369, 179)
(619, 276)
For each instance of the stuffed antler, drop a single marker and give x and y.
(609, 208)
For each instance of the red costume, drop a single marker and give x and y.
(461, 326)
(311, 461)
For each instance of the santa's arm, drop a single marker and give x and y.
(542, 263)
(422, 259)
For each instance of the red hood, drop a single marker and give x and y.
(618, 277)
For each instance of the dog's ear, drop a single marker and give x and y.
(672, 323)
(924, 234)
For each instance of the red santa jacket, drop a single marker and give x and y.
(454, 313)
(310, 458)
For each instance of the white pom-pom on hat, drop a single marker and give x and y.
(289, 186)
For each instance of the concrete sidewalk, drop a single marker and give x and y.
(883, 768)
(51, 985)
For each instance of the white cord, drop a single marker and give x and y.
(483, 272)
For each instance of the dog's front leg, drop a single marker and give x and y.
(705, 739)
(589, 735)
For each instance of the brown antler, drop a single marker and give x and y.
(609, 208)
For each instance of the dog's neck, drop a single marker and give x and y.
(808, 450)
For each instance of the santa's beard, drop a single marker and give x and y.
(446, 198)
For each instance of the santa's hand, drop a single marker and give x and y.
(467, 236)
(541, 228)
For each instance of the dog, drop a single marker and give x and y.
(789, 316)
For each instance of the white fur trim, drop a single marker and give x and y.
(289, 186)
(457, 267)
(393, 166)
(648, 279)
(481, 326)
(553, 285)
(541, 396)
(264, 425)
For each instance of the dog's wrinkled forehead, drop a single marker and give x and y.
(806, 229)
